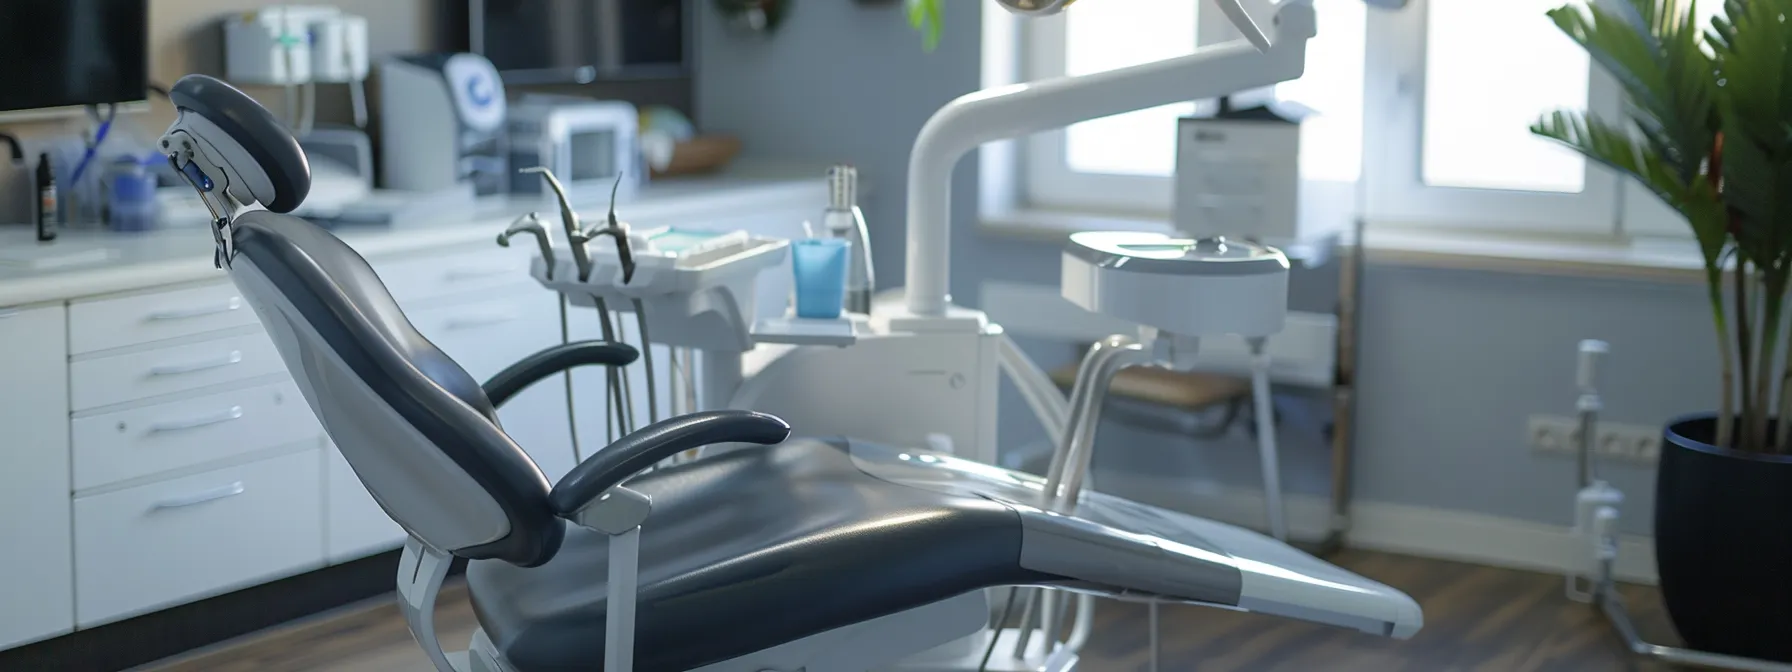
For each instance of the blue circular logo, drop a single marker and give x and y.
(479, 91)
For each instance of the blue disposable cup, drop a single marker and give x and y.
(820, 266)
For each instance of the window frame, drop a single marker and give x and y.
(1394, 95)
(1390, 189)
(1047, 182)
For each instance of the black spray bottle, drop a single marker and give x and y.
(46, 200)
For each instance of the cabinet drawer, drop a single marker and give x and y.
(119, 378)
(129, 320)
(355, 525)
(427, 277)
(142, 441)
(164, 543)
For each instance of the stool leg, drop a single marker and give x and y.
(1266, 440)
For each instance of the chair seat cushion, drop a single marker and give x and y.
(751, 549)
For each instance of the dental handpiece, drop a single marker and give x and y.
(619, 231)
(569, 220)
(531, 224)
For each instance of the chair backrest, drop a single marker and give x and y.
(417, 429)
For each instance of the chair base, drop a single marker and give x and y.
(967, 655)
(878, 644)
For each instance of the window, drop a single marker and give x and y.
(1452, 98)
(1439, 91)
(1124, 163)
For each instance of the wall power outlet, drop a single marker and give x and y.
(1561, 436)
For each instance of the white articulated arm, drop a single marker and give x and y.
(1022, 109)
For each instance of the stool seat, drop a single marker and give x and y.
(1187, 390)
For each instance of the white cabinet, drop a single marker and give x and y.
(113, 379)
(141, 318)
(488, 331)
(355, 525)
(36, 575)
(453, 273)
(145, 440)
(174, 541)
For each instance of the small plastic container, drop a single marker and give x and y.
(131, 196)
(820, 266)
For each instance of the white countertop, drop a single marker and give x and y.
(88, 263)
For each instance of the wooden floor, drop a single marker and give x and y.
(1476, 618)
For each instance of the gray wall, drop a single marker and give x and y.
(1452, 363)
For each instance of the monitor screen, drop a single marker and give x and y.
(580, 40)
(57, 53)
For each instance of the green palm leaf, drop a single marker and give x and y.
(1653, 50)
(926, 16)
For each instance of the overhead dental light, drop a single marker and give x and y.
(1184, 286)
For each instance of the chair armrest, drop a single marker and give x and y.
(529, 370)
(647, 446)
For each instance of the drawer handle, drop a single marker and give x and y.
(9, 312)
(225, 415)
(471, 321)
(232, 357)
(202, 497)
(234, 303)
(461, 274)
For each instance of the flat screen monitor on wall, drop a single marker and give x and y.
(65, 53)
(566, 41)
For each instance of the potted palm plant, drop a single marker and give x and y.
(1709, 131)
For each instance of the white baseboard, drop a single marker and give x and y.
(1397, 528)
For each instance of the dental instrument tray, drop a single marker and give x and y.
(686, 261)
(697, 287)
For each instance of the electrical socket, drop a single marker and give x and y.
(1561, 436)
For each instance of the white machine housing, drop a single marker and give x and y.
(295, 44)
(947, 379)
(588, 144)
(442, 123)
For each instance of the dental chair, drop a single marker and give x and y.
(813, 554)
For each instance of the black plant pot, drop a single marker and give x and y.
(1723, 543)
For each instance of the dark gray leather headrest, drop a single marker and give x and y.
(255, 128)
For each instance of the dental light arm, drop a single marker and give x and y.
(1022, 109)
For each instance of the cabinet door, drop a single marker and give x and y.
(37, 583)
(354, 525)
(488, 331)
